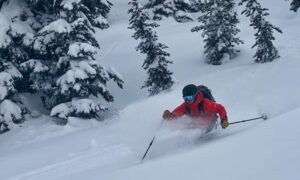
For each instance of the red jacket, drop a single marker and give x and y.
(210, 109)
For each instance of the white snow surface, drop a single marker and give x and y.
(112, 149)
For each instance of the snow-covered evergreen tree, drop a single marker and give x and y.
(218, 24)
(159, 76)
(11, 54)
(179, 9)
(162, 8)
(96, 11)
(156, 62)
(266, 52)
(65, 49)
(15, 38)
(10, 108)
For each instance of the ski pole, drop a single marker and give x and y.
(264, 117)
(152, 141)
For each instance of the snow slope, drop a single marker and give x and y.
(269, 150)
(112, 150)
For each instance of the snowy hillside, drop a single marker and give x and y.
(112, 150)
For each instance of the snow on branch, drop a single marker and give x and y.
(5, 40)
(86, 107)
(34, 65)
(79, 49)
(69, 78)
(116, 76)
(60, 111)
(85, 66)
(6, 84)
(59, 26)
(69, 4)
(9, 111)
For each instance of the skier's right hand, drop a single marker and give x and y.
(224, 123)
(167, 115)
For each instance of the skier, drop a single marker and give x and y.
(204, 110)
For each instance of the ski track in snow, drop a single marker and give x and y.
(101, 157)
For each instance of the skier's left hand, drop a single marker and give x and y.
(167, 115)
(224, 123)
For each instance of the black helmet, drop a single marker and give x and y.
(189, 90)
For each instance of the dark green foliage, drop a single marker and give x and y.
(159, 77)
(295, 4)
(179, 9)
(12, 52)
(266, 52)
(218, 24)
(16, 51)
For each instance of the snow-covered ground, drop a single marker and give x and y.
(41, 150)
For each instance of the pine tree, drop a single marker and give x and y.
(10, 110)
(179, 9)
(266, 52)
(295, 4)
(161, 8)
(218, 24)
(96, 11)
(65, 48)
(159, 77)
(15, 49)
(12, 52)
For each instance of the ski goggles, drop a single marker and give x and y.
(189, 98)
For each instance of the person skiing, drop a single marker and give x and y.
(204, 110)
